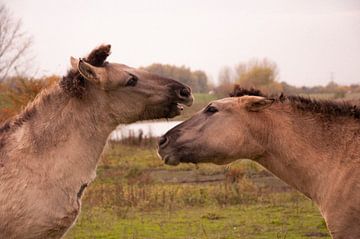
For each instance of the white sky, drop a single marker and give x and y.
(308, 39)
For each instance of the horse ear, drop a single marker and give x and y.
(97, 57)
(88, 71)
(256, 104)
(74, 62)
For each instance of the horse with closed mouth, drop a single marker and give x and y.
(313, 145)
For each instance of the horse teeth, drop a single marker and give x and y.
(180, 106)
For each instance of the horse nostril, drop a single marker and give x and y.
(183, 95)
(163, 140)
(185, 92)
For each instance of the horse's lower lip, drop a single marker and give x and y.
(174, 110)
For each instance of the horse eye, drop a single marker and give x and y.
(132, 80)
(211, 109)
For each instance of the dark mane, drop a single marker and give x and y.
(326, 108)
(239, 91)
(73, 83)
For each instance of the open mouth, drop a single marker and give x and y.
(176, 106)
(174, 110)
(180, 106)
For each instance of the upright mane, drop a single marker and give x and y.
(327, 108)
(239, 91)
(73, 83)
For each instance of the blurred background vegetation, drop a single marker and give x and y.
(197, 80)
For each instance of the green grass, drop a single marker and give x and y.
(261, 220)
(125, 202)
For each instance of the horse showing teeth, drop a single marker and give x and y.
(50, 151)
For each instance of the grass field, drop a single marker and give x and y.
(136, 196)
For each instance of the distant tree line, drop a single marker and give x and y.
(197, 80)
(259, 74)
(263, 75)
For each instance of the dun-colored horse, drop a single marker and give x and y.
(49, 152)
(312, 145)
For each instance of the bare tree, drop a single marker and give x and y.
(14, 44)
(226, 81)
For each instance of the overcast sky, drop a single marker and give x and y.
(308, 39)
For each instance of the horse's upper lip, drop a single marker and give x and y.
(189, 101)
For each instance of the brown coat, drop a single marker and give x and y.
(312, 145)
(49, 152)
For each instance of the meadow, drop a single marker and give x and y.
(136, 196)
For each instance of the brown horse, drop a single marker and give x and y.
(312, 145)
(49, 152)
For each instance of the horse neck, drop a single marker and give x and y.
(65, 136)
(305, 150)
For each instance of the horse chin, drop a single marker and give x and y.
(173, 161)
